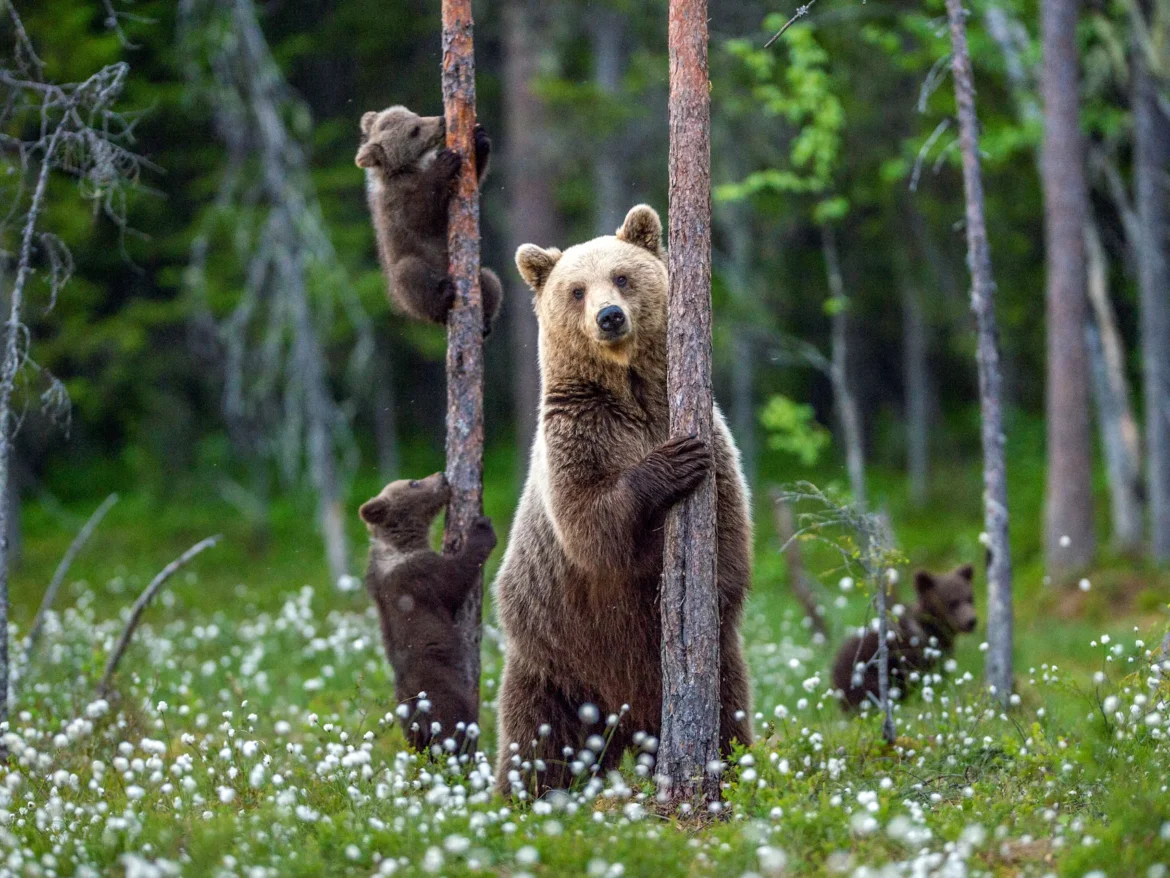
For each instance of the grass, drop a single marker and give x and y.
(252, 730)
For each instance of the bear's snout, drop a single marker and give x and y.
(611, 320)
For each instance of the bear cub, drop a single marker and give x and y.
(417, 593)
(410, 177)
(925, 634)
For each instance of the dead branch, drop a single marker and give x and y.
(141, 604)
(801, 12)
(79, 541)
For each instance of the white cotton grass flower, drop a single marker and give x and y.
(1084, 585)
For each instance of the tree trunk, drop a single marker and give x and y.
(532, 212)
(743, 405)
(995, 508)
(464, 325)
(1116, 422)
(689, 595)
(386, 418)
(797, 578)
(916, 381)
(1069, 537)
(1151, 167)
(608, 33)
(847, 410)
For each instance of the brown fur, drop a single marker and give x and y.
(924, 635)
(417, 592)
(410, 177)
(577, 593)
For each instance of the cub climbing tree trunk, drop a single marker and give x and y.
(465, 323)
(995, 508)
(690, 601)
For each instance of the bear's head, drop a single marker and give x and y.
(396, 139)
(405, 509)
(603, 299)
(948, 599)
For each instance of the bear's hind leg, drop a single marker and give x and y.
(420, 291)
(537, 724)
(493, 292)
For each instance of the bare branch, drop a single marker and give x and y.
(141, 604)
(801, 12)
(79, 541)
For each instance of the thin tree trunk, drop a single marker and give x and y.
(916, 381)
(743, 406)
(532, 213)
(608, 32)
(1116, 422)
(1151, 170)
(847, 409)
(797, 578)
(464, 325)
(689, 593)
(1069, 537)
(995, 508)
(386, 418)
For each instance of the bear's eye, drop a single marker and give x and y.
(414, 132)
(578, 293)
(413, 483)
(620, 281)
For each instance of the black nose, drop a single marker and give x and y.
(611, 319)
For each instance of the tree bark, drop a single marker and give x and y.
(464, 325)
(1151, 170)
(1116, 422)
(847, 410)
(995, 503)
(916, 381)
(608, 32)
(1069, 536)
(689, 595)
(532, 212)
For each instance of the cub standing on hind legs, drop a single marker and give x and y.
(417, 593)
(410, 177)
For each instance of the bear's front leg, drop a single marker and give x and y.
(483, 149)
(670, 472)
(422, 292)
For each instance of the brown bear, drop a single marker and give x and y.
(577, 593)
(923, 635)
(410, 177)
(417, 592)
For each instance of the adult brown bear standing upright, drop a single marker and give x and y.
(577, 593)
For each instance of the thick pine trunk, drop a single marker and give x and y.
(464, 325)
(995, 509)
(1115, 419)
(1069, 537)
(532, 212)
(916, 382)
(689, 595)
(1151, 169)
(608, 34)
(847, 410)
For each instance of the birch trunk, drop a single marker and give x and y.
(689, 596)
(386, 418)
(999, 568)
(1069, 539)
(847, 410)
(916, 381)
(464, 325)
(608, 33)
(1116, 422)
(1151, 166)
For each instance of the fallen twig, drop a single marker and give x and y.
(141, 604)
(801, 12)
(83, 535)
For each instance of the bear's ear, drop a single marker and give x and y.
(375, 512)
(967, 572)
(536, 264)
(642, 228)
(368, 120)
(923, 581)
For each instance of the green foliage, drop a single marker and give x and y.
(792, 428)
